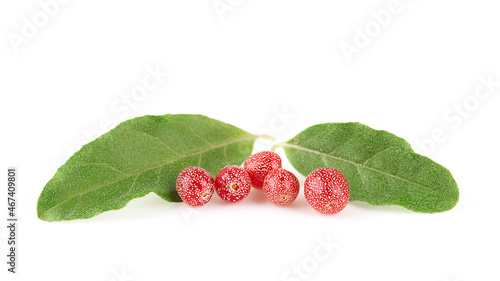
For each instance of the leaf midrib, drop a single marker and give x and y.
(152, 168)
(360, 165)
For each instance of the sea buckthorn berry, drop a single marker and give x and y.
(195, 186)
(326, 190)
(260, 164)
(281, 187)
(232, 183)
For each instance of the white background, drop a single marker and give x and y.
(272, 67)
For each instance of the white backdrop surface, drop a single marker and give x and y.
(427, 71)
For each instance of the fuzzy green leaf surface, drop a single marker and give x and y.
(381, 168)
(139, 156)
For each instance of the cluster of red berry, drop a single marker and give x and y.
(325, 189)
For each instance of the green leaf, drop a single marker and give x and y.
(381, 168)
(139, 156)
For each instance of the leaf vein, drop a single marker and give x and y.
(377, 153)
(157, 138)
(342, 144)
(98, 164)
(198, 136)
(129, 189)
(159, 174)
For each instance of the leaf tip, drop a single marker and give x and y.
(42, 215)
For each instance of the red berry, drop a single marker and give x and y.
(195, 186)
(259, 165)
(232, 183)
(281, 187)
(326, 190)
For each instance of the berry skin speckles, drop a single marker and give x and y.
(232, 183)
(326, 190)
(259, 165)
(281, 187)
(195, 186)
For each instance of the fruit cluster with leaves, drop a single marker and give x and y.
(147, 154)
(326, 189)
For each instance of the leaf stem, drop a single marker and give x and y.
(280, 144)
(266, 137)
